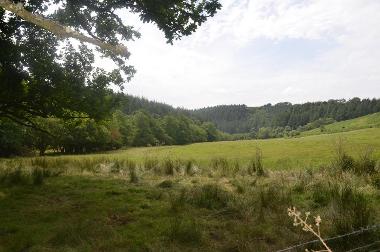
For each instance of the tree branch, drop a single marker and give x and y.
(58, 29)
(25, 122)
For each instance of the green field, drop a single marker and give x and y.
(364, 122)
(199, 197)
(303, 152)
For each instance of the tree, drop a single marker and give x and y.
(38, 139)
(43, 73)
(144, 129)
(11, 138)
(212, 132)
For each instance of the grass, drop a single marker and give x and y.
(227, 196)
(277, 154)
(364, 122)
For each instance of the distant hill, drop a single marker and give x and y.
(368, 121)
(130, 104)
(243, 119)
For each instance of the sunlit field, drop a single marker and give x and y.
(303, 152)
(225, 196)
(189, 125)
(364, 122)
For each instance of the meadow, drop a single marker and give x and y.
(280, 153)
(222, 196)
(364, 122)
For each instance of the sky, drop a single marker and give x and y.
(256, 52)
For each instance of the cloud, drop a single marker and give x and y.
(260, 51)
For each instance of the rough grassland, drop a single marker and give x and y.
(200, 197)
(282, 153)
(368, 121)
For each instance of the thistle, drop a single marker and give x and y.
(299, 220)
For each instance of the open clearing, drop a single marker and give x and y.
(282, 153)
(199, 197)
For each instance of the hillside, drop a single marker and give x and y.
(368, 121)
(243, 119)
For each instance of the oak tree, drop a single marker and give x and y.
(44, 72)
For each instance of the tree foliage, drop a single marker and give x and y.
(276, 118)
(44, 73)
(84, 135)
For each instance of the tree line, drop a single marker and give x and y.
(284, 118)
(135, 121)
(84, 135)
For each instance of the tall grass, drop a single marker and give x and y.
(184, 230)
(255, 165)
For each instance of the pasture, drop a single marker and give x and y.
(223, 196)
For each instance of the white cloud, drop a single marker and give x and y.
(223, 62)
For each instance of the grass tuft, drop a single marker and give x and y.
(210, 196)
(185, 230)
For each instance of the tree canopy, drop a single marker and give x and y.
(243, 119)
(44, 73)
